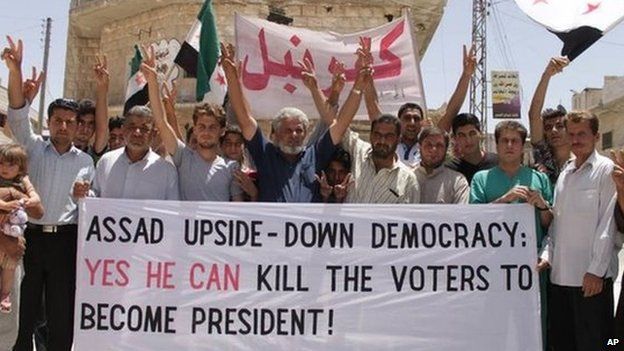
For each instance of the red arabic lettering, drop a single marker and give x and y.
(391, 66)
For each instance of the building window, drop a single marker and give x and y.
(607, 140)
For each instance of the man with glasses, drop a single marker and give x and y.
(54, 165)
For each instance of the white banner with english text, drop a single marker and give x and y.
(271, 75)
(168, 275)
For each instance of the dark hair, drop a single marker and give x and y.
(410, 106)
(189, 134)
(209, 109)
(231, 129)
(343, 157)
(465, 119)
(63, 104)
(85, 107)
(15, 154)
(115, 122)
(432, 131)
(510, 125)
(580, 116)
(390, 119)
(550, 113)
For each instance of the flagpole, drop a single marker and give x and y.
(406, 11)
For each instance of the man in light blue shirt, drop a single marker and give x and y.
(54, 165)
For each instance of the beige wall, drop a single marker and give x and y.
(608, 104)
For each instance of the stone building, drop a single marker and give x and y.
(113, 27)
(608, 104)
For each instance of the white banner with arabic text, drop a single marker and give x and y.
(272, 78)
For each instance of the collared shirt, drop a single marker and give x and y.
(442, 186)
(543, 154)
(52, 174)
(282, 181)
(205, 181)
(410, 156)
(493, 183)
(468, 169)
(581, 237)
(394, 185)
(151, 178)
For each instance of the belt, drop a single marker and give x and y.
(51, 229)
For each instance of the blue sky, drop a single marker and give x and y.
(514, 42)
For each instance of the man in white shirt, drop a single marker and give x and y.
(580, 248)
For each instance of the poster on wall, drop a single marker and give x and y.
(505, 94)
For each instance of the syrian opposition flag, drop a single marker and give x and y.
(136, 91)
(578, 23)
(199, 57)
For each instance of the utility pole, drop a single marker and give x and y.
(46, 53)
(478, 84)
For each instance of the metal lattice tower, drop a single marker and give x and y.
(478, 84)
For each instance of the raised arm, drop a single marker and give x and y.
(169, 101)
(338, 84)
(12, 56)
(18, 111)
(352, 104)
(459, 95)
(371, 101)
(555, 65)
(326, 113)
(246, 122)
(102, 79)
(148, 68)
(30, 89)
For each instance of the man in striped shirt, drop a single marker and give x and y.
(379, 176)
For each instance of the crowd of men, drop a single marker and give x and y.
(577, 193)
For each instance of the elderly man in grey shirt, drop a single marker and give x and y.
(54, 165)
(134, 171)
(438, 184)
(204, 174)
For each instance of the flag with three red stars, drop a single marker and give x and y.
(578, 23)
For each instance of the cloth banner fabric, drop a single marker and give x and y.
(271, 76)
(578, 23)
(505, 94)
(168, 275)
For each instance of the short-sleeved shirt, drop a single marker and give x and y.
(204, 181)
(468, 169)
(493, 183)
(282, 181)
(442, 186)
(151, 178)
(395, 185)
(51, 173)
